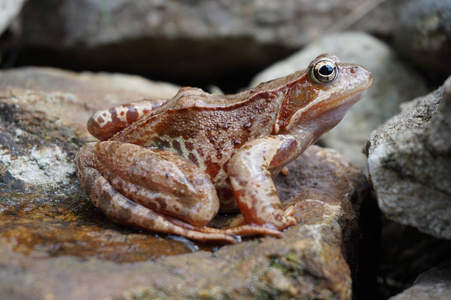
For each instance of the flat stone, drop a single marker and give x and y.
(54, 243)
(58, 93)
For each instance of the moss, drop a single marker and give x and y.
(289, 264)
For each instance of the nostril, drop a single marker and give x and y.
(354, 69)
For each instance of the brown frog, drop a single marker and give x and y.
(170, 166)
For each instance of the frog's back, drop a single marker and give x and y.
(208, 135)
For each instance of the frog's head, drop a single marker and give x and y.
(318, 100)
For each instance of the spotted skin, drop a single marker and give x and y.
(105, 123)
(171, 166)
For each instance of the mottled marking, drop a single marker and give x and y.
(163, 144)
(236, 142)
(132, 115)
(286, 151)
(213, 168)
(105, 123)
(225, 193)
(177, 147)
(189, 146)
(193, 158)
(102, 118)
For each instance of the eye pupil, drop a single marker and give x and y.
(326, 70)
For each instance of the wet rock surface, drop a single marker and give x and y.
(382, 99)
(54, 243)
(43, 115)
(410, 164)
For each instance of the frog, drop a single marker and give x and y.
(170, 166)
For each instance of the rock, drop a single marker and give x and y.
(217, 39)
(43, 115)
(378, 18)
(404, 253)
(409, 161)
(54, 243)
(391, 86)
(10, 29)
(424, 35)
(434, 284)
(59, 93)
(9, 11)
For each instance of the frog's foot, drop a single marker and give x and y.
(240, 221)
(285, 171)
(289, 211)
(250, 230)
(244, 230)
(241, 230)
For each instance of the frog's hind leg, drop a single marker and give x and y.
(121, 210)
(133, 214)
(136, 215)
(155, 190)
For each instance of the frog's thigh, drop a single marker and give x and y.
(159, 180)
(251, 179)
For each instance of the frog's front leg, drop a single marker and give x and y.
(251, 171)
(153, 189)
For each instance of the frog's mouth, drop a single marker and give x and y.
(335, 102)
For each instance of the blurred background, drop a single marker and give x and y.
(199, 43)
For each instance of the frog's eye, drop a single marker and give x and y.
(324, 71)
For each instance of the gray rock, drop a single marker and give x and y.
(424, 34)
(55, 244)
(378, 18)
(409, 161)
(9, 11)
(433, 284)
(404, 253)
(393, 83)
(214, 38)
(10, 30)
